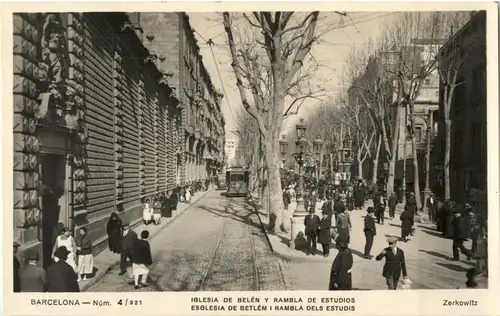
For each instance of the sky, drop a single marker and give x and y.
(349, 32)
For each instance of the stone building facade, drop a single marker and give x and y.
(203, 137)
(468, 156)
(98, 126)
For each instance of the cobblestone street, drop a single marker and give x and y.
(216, 245)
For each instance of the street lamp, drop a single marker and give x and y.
(283, 148)
(300, 154)
(318, 150)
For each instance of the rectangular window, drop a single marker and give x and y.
(237, 177)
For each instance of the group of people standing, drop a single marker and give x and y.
(72, 262)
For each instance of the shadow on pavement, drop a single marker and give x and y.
(395, 225)
(432, 233)
(435, 254)
(223, 194)
(453, 267)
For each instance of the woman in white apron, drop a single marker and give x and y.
(147, 212)
(66, 240)
(188, 194)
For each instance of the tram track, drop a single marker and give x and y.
(217, 273)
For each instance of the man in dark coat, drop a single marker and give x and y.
(460, 233)
(338, 207)
(379, 203)
(311, 223)
(407, 221)
(328, 208)
(33, 277)
(324, 237)
(431, 207)
(340, 274)
(394, 263)
(60, 275)
(129, 237)
(370, 232)
(447, 219)
(313, 200)
(392, 203)
(17, 284)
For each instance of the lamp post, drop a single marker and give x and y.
(318, 150)
(283, 149)
(301, 145)
(430, 134)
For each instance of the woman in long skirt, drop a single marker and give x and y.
(147, 212)
(85, 258)
(406, 223)
(340, 274)
(66, 240)
(114, 230)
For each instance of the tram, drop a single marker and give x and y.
(237, 179)
(221, 181)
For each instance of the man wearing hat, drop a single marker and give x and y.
(31, 275)
(394, 263)
(311, 224)
(16, 282)
(324, 237)
(60, 275)
(129, 237)
(370, 231)
(431, 207)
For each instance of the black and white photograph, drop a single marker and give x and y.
(249, 151)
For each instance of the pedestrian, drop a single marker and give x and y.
(471, 275)
(66, 240)
(311, 224)
(394, 263)
(338, 208)
(313, 200)
(406, 223)
(328, 208)
(349, 201)
(188, 194)
(165, 208)
(61, 277)
(411, 203)
(58, 230)
(129, 237)
(380, 207)
(431, 207)
(340, 274)
(147, 212)
(392, 203)
(286, 198)
(17, 266)
(85, 257)
(114, 230)
(370, 232)
(324, 237)
(32, 276)
(156, 211)
(343, 226)
(460, 233)
(141, 259)
(174, 199)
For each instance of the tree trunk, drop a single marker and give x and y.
(360, 164)
(447, 150)
(272, 159)
(394, 150)
(375, 160)
(416, 178)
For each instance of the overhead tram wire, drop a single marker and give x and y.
(210, 43)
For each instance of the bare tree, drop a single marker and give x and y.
(250, 147)
(417, 37)
(269, 67)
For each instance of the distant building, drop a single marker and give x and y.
(230, 149)
(468, 165)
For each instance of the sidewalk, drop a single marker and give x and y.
(105, 261)
(427, 256)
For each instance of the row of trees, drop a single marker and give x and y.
(381, 84)
(270, 54)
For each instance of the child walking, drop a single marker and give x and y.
(141, 258)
